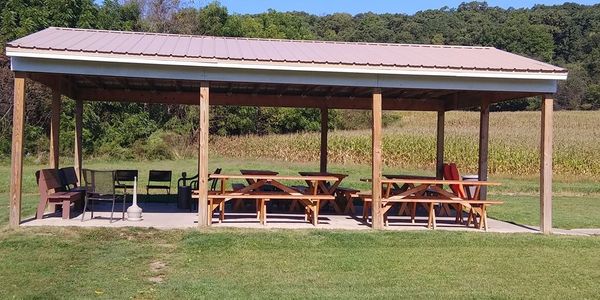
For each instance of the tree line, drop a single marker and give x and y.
(567, 35)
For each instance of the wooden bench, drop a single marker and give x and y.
(69, 180)
(478, 206)
(311, 203)
(52, 192)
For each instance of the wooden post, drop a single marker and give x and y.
(16, 169)
(439, 158)
(77, 154)
(203, 214)
(546, 165)
(324, 131)
(377, 210)
(55, 129)
(484, 132)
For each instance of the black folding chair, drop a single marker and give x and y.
(159, 177)
(124, 179)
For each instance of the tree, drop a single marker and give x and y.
(212, 19)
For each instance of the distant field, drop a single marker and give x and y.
(410, 143)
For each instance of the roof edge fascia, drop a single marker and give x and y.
(280, 67)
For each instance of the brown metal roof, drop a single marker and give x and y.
(99, 42)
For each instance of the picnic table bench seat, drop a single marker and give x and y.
(311, 202)
(477, 206)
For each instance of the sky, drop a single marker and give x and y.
(323, 7)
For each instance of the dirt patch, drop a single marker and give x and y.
(156, 279)
(157, 268)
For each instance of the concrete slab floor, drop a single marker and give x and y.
(167, 216)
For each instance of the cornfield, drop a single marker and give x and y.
(410, 143)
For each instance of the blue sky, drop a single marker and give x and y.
(321, 7)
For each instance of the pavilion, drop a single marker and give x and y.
(97, 65)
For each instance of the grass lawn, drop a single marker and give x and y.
(225, 263)
(142, 263)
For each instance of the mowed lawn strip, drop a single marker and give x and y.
(221, 263)
(568, 212)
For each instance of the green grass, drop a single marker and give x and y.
(83, 263)
(125, 263)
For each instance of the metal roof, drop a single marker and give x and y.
(95, 43)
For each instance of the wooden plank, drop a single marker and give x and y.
(240, 99)
(274, 177)
(78, 154)
(203, 219)
(484, 133)
(443, 182)
(272, 196)
(472, 99)
(376, 166)
(546, 165)
(55, 128)
(439, 157)
(324, 131)
(16, 178)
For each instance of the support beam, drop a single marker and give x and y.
(324, 131)
(377, 210)
(77, 154)
(55, 129)
(204, 217)
(484, 132)
(546, 165)
(16, 169)
(439, 157)
(239, 99)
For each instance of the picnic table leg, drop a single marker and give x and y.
(469, 217)
(386, 222)
(483, 218)
(445, 210)
(431, 218)
(306, 214)
(366, 211)
(315, 214)
(258, 209)
(403, 209)
(458, 208)
(208, 212)
(263, 211)
(221, 212)
(349, 204)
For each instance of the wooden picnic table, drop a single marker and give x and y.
(323, 187)
(310, 199)
(237, 203)
(430, 192)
